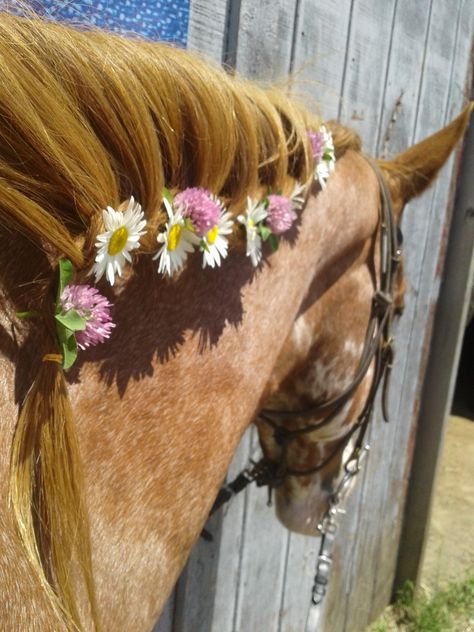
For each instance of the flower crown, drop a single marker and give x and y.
(197, 220)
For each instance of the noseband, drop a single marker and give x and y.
(378, 348)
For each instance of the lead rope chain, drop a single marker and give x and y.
(328, 529)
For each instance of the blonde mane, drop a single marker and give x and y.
(91, 118)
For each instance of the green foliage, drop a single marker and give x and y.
(67, 323)
(273, 241)
(167, 196)
(449, 610)
(264, 231)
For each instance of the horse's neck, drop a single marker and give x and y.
(159, 410)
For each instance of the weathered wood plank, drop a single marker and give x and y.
(367, 57)
(406, 53)
(300, 568)
(441, 374)
(320, 53)
(411, 333)
(265, 40)
(370, 35)
(425, 272)
(431, 424)
(230, 546)
(208, 27)
(262, 565)
(403, 78)
(195, 593)
(165, 622)
(208, 587)
(265, 49)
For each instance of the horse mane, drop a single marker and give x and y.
(87, 120)
(137, 116)
(344, 138)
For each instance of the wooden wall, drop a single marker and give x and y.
(396, 71)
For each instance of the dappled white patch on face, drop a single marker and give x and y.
(353, 348)
(328, 377)
(302, 334)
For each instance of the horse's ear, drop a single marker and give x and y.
(412, 171)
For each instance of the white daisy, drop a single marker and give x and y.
(325, 165)
(254, 214)
(123, 232)
(178, 241)
(214, 244)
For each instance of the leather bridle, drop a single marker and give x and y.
(378, 349)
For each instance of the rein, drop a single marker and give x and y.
(378, 348)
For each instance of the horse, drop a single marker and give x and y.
(154, 414)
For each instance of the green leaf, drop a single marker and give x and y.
(327, 155)
(69, 349)
(264, 231)
(273, 241)
(203, 245)
(67, 344)
(72, 320)
(188, 224)
(265, 202)
(167, 195)
(65, 274)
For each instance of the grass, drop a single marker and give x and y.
(449, 610)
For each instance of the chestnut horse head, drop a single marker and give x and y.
(321, 391)
(89, 120)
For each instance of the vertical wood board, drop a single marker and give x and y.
(320, 53)
(265, 44)
(441, 374)
(368, 49)
(208, 28)
(424, 275)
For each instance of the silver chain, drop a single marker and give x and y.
(328, 528)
